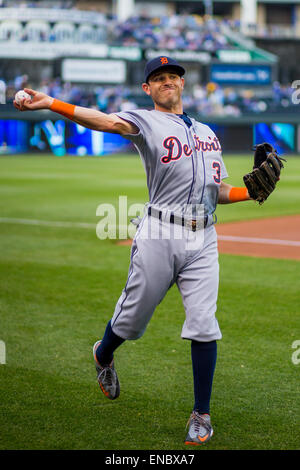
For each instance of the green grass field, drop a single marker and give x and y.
(59, 286)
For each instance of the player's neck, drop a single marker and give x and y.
(176, 109)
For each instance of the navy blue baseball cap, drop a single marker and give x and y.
(159, 63)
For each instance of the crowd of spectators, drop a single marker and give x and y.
(214, 100)
(188, 32)
(36, 4)
(185, 32)
(174, 32)
(182, 31)
(202, 99)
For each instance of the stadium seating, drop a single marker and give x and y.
(172, 33)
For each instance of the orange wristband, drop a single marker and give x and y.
(60, 107)
(238, 194)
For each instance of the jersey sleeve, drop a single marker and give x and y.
(137, 118)
(224, 173)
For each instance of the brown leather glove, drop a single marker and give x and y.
(267, 167)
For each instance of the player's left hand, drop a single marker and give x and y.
(267, 167)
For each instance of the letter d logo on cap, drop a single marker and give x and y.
(164, 60)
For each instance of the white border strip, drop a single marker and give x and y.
(48, 223)
(263, 241)
(225, 238)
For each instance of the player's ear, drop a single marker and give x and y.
(146, 88)
(182, 82)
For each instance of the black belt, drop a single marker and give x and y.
(175, 219)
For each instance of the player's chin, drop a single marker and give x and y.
(169, 99)
(169, 94)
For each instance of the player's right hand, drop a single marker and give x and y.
(38, 100)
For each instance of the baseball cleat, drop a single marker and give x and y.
(107, 377)
(200, 429)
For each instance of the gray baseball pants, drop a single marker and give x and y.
(162, 255)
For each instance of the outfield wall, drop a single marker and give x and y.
(48, 132)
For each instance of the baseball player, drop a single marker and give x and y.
(185, 171)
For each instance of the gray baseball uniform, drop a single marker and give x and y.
(184, 168)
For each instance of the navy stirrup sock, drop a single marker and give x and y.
(204, 356)
(109, 343)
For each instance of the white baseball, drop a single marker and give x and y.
(20, 95)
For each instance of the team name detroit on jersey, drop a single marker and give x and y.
(183, 164)
(176, 149)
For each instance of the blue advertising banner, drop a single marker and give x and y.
(81, 141)
(14, 136)
(246, 74)
(60, 137)
(281, 135)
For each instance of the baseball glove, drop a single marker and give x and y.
(267, 167)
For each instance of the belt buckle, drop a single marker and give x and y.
(192, 224)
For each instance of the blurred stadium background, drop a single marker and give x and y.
(242, 58)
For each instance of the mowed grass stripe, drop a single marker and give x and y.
(84, 183)
(49, 379)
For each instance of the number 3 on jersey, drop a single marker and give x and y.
(217, 175)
